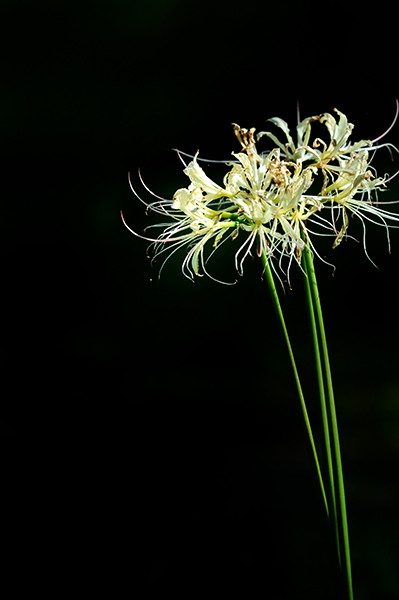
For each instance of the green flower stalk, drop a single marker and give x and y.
(277, 203)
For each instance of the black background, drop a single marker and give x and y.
(152, 440)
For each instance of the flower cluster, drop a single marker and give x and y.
(279, 199)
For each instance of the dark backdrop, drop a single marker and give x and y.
(152, 440)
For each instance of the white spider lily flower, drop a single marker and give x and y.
(344, 166)
(267, 196)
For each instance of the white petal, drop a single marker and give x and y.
(199, 178)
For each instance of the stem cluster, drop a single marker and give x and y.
(334, 497)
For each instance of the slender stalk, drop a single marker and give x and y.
(277, 305)
(342, 520)
(324, 412)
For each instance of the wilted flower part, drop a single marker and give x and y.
(279, 200)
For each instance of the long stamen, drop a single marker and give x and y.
(200, 158)
(391, 125)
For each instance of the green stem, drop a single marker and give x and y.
(277, 305)
(324, 413)
(342, 521)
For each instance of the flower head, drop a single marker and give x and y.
(278, 200)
